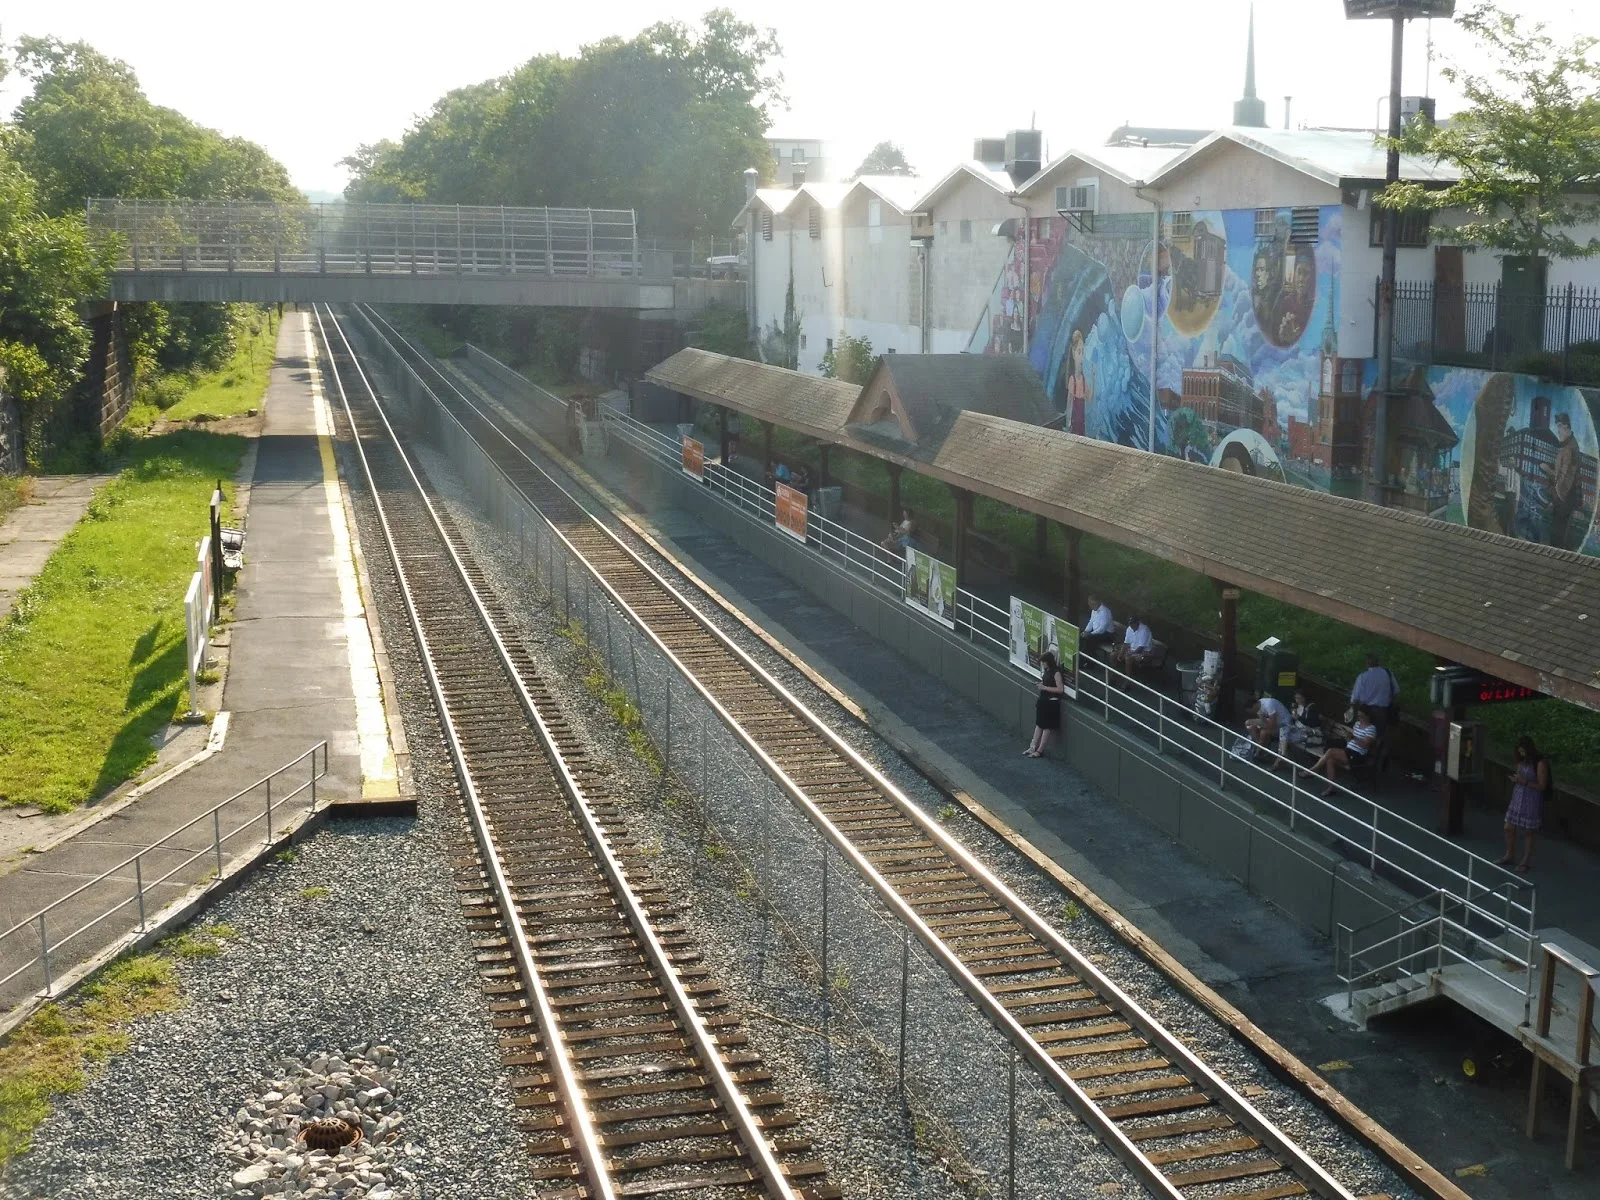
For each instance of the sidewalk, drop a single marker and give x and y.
(30, 533)
(301, 670)
(1405, 1073)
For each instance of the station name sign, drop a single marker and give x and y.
(1452, 686)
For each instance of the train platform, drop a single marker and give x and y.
(302, 667)
(1406, 1072)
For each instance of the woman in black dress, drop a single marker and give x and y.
(1047, 708)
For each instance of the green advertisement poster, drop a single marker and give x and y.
(930, 585)
(1033, 631)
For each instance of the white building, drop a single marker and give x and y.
(800, 160)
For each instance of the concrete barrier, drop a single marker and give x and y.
(1307, 880)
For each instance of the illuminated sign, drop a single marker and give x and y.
(1454, 686)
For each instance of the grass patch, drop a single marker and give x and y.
(315, 893)
(623, 710)
(14, 490)
(52, 1053)
(92, 656)
(240, 385)
(205, 942)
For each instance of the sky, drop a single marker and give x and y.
(312, 84)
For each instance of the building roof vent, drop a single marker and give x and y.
(1024, 154)
(991, 152)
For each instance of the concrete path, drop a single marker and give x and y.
(301, 671)
(1407, 1073)
(30, 532)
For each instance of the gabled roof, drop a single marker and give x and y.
(807, 403)
(1154, 135)
(779, 200)
(1127, 164)
(901, 192)
(1329, 156)
(910, 401)
(970, 169)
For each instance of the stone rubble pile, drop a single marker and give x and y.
(264, 1144)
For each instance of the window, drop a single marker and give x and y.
(1182, 224)
(1303, 225)
(816, 221)
(830, 345)
(1414, 228)
(766, 225)
(1266, 224)
(874, 220)
(1041, 231)
(966, 232)
(1082, 196)
(944, 228)
(1350, 378)
(797, 155)
(802, 341)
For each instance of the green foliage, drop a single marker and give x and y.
(51, 1053)
(46, 267)
(780, 343)
(92, 656)
(851, 359)
(1527, 145)
(664, 122)
(315, 893)
(724, 329)
(886, 158)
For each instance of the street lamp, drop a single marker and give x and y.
(1399, 12)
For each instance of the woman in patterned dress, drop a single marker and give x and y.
(1526, 811)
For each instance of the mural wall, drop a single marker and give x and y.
(1247, 376)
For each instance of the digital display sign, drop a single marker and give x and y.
(1497, 691)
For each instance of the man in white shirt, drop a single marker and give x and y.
(1270, 722)
(1376, 687)
(1135, 648)
(1101, 627)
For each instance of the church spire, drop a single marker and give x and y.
(1250, 111)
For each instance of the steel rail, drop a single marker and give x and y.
(1207, 1080)
(771, 1172)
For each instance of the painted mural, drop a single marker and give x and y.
(1247, 377)
(1244, 310)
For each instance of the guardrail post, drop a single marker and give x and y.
(269, 810)
(216, 838)
(1011, 1128)
(905, 987)
(138, 887)
(1566, 337)
(44, 953)
(1372, 863)
(313, 779)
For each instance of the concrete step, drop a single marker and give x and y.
(1390, 997)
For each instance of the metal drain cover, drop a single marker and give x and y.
(330, 1133)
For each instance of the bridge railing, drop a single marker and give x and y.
(390, 239)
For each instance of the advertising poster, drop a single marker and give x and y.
(1033, 631)
(792, 508)
(694, 458)
(931, 586)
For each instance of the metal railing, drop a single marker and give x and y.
(36, 943)
(696, 258)
(1385, 842)
(390, 239)
(1480, 325)
(1444, 928)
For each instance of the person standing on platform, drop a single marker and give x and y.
(1378, 689)
(1047, 708)
(1526, 811)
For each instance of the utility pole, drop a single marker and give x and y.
(1397, 12)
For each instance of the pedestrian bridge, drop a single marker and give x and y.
(178, 250)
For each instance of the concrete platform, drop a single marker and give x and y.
(302, 669)
(30, 532)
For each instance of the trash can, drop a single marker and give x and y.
(1277, 670)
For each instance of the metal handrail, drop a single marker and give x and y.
(135, 860)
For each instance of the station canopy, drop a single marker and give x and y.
(1523, 612)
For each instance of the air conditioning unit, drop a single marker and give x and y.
(1024, 153)
(991, 152)
(1412, 107)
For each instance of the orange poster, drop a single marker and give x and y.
(694, 458)
(792, 507)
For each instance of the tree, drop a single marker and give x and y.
(885, 158)
(723, 329)
(47, 265)
(663, 123)
(851, 359)
(780, 344)
(1527, 148)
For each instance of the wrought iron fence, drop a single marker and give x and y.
(1555, 334)
(342, 238)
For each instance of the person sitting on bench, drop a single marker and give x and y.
(902, 536)
(1101, 626)
(1136, 650)
(1269, 723)
(1349, 754)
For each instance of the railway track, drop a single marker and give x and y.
(1183, 1129)
(632, 1078)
